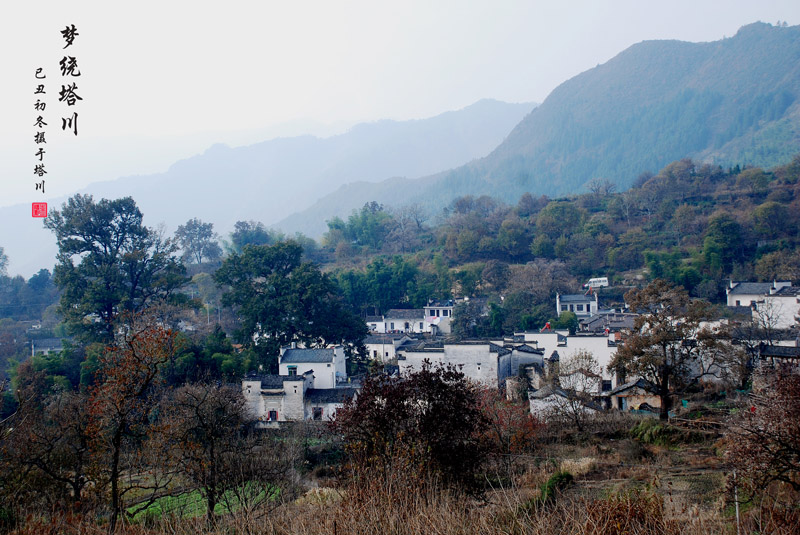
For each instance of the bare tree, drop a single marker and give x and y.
(209, 429)
(765, 438)
(601, 187)
(578, 376)
(121, 410)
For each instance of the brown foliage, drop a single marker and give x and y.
(765, 440)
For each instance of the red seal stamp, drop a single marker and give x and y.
(39, 209)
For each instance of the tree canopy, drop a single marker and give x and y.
(198, 241)
(109, 262)
(668, 344)
(282, 299)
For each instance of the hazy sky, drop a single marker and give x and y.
(163, 80)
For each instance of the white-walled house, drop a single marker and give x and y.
(405, 320)
(376, 324)
(603, 347)
(291, 398)
(327, 364)
(584, 306)
(746, 294)
(438, 315)
(383, 346)
(780, 307)
(481, 361)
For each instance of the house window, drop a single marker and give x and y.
(420, 325)
(606, 385)
(738, 303)
(374, 353)
(431, 313)
(273, 416)
(391, 326)
(563, 308)
(571, 309)
(445, 313)
(373, 326)
(406, 326)
(316, 413)
(579, 308)
(292, 371)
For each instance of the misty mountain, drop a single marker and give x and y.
(270, 180)
(724, 102)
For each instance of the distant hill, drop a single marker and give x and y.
(724, 102)
(270, 180)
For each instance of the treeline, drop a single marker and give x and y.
(695, 225)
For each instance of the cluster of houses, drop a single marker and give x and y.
(313, 383)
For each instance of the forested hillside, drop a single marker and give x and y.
(727, 102)
(696, 225)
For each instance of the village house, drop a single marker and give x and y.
(635, 395)
(552, 400)
(607, 321)
(480, 360)
(583, 305)
(749, 293)
(383, 347)
(602, 347)
(375, 324)
(328, 365)
(290, 398)
(405, 320)
(438, 315)
(780, 307)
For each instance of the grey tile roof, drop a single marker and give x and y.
(272, 381)
(644, 384)
(547, 391)
(751, 288)
(576, 298)
(387, 338)
(788, 290)
(330, 395)
(405, 313)
(779, 351)
(525, 348)
(301, 356)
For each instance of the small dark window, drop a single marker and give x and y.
(580, 307)
(606, 385)
(292, 371)
(445, 313)
(316, 413)
(273, 416)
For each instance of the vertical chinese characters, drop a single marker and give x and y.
(68, 98)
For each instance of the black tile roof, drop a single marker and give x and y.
(779, 351)
(644, 384)
(301, 356)
(760, 288)
(576, 298)
(405, 313)
(330, 395)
